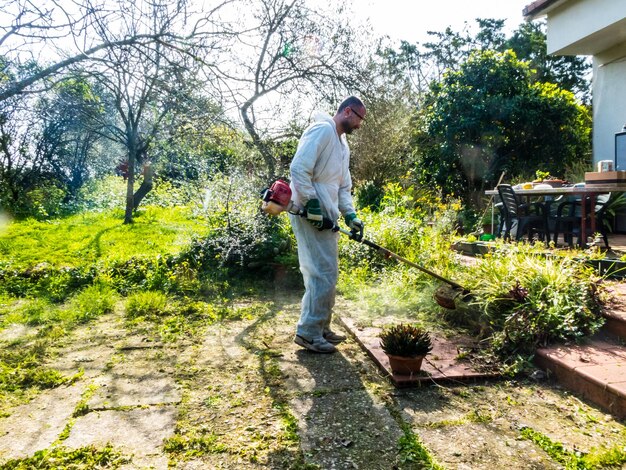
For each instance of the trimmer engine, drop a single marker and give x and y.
(277, 198)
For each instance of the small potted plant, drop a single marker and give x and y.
(406, 346)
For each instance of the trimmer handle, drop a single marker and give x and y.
(327, 224)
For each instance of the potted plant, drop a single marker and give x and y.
(406, 346)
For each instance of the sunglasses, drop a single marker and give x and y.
(357, 114)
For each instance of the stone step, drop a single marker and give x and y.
(615, 323)
(596, 370)
(615, 312)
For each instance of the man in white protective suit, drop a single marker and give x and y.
(321, 184)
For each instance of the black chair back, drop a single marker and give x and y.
(530, 217)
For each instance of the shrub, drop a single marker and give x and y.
(44, 280)
(240, 237)
(146, 304)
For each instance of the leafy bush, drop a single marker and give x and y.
(416, 225)
(102, 194)
(42, 203)
(240, 236)
(369, 195)
(44, 280)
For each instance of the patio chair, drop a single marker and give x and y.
(527, 218)
(568, 220)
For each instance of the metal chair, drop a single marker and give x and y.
(527, 218)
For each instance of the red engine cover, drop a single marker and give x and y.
(281, 193)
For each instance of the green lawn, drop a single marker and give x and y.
(85, 238)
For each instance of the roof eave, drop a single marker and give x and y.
(540, 8)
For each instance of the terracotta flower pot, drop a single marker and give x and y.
(405, 365)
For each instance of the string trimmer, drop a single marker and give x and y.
(277, 199)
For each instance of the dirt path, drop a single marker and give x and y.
(239, 394)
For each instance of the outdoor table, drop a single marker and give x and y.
(591, 191)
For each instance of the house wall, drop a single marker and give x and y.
(586, 27)
(596, 28)
(609, 103)
(609, 109)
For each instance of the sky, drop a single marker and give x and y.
(411, 19)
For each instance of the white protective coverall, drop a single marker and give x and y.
(319, 170)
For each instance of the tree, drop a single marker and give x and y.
(72, 116)
(148, 81)
(381, 149)
(196, 142)
(291, 50)
(19, 168)
(80, 32)
(447, 50)
(489, 117)
(569, 72)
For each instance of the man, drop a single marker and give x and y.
(321, 183)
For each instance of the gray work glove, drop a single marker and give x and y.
(355, 224)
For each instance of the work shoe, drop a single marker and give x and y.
(318, 345)
(334, 338)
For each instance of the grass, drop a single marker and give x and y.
(413, 451)
(60, 458)
(596, 458)
(90, 237)
(22, 361)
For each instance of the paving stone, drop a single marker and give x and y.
(306, 371)
(137, 342)
(592, 353)
(122, 390)
(593, 390)
(223, 344)
(16, 331)
(605, 374)
(338, 430)
(139, 432)
(504, 449)
(36, 425)
(91, 358)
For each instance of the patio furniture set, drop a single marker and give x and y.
(573, 212)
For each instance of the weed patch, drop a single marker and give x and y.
(575, 460)
(413, 451)
(187, 447)
(92, 302)
(60, 457)
(146, 304)
(21, 368)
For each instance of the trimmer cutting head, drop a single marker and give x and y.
(446, 296)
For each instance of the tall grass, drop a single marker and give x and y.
(415, 225)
